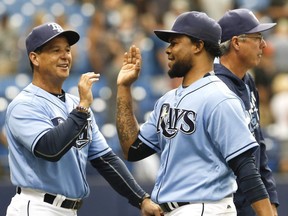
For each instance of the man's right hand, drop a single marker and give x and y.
(149, 208)
(85, 88)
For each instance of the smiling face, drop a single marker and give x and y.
(179, 56)
(52, 62)
(55, 58)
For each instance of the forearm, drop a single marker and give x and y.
(249, 181)
(274, 209)
(262, 207)
(56, 142)
(139, 151)
(267, 176)
(112, 168)
(126, 122)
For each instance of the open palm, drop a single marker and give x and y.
(131, 67)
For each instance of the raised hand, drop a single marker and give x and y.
(131, 67)
(85, 88)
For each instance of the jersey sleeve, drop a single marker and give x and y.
(228, 128)
(99, 146)
(148, 131)
(29, 126)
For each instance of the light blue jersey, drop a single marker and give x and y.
(197, 130)
(29, 116)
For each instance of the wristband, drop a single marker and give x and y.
(82, 109)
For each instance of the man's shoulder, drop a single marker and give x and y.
(219, 91)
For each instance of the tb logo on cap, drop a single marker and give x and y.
(56, 27)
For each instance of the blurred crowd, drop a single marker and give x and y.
(107, 29)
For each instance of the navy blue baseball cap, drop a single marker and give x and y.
(46, 32)
(241, 21)
(195, 24)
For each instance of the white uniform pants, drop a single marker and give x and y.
(31, 204)
(224, 207)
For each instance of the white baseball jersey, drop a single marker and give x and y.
(197, 130)
(29, 116)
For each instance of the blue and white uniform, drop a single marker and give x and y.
(50, 183)
(51, 137)
(29, 116)
(194, 130)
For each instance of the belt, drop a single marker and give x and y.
(67, 203)
(170, 206)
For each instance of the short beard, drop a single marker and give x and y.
(179, 69)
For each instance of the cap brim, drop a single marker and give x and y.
(262, 27)
(72, 36)
(165, 35)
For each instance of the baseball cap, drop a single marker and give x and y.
(46, 32)
(195, 24)
(241, 21)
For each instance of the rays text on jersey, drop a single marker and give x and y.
(172, 120)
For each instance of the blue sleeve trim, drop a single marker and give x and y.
(99, 154)
(148, 143)
(241, 150)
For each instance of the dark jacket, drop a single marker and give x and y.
(246, 90)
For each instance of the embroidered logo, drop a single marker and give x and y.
(56, 27)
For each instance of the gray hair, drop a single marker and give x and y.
(225, 47)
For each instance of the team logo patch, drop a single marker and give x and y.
(56, 121)
(83, 138)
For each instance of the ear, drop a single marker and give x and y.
(199, 46)
(235, 42)
(34, 58)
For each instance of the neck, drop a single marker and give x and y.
(52, 87)
(233, 64)
(196, 73)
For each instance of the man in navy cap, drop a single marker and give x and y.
(201, 148)
(52, 134)
(242, 47)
